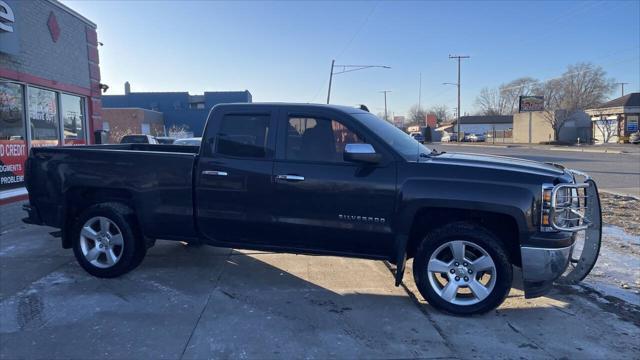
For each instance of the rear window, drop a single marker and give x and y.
(244, 136)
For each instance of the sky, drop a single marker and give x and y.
(282, 51)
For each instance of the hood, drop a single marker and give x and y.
(499, 162)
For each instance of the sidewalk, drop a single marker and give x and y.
(609, 148)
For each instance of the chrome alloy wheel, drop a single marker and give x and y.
(461, 272)
(101, 242)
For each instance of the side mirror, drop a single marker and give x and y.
(362, 153)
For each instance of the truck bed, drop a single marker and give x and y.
(156, 179)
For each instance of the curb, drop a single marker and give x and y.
(613, 192)
(603, 151)
(469, 145)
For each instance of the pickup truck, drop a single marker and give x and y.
(329, 180)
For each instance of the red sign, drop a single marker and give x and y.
(431, 120)
(13, 154)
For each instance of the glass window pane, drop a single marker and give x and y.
(244, 136)
(73, 119)
(314, 139)
(43, 117)
(13, 146)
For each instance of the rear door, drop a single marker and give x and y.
(233, 178)
(323, 203)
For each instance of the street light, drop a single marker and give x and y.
(346, 69)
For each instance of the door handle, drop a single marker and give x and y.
(214, 173)
(290, 177)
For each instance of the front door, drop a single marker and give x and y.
(327, 204)
(233, 178)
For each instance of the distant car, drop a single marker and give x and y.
(417, 137)
(447, 137)
(165, 140)
(474, 138)
(195, 141)
(138, 139)
(635, 138)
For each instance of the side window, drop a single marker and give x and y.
(317, 139)
(244, 136)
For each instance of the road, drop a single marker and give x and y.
(205, 302)
(619, 173)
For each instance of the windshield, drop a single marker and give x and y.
(400, 141)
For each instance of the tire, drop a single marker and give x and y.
(475, 288)
(106, 240)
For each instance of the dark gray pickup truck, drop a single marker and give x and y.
(331, 180)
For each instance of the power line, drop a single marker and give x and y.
(347, 45)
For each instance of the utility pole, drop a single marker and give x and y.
(330, 79)
(459, 57)
(420, 94)
(386, 117)
(622, 84)
(346, 69)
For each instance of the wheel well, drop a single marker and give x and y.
(79, 199)
(503, 226)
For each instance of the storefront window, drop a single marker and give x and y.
(73, 119)
(13, 150)
(43, 117)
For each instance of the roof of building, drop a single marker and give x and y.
(631, 99)
(486, 119)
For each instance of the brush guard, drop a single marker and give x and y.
(576, 208)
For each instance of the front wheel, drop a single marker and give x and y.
(462, 269)
(106, 241)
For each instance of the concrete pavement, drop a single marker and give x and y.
(614, 172)
(206, 302)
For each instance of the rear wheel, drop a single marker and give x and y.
(462, 269)
(106, 241)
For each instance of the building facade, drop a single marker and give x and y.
(119, 122)
(535, 127)
(180, 109)
(483, 124)
(616, 120)
(49, 84)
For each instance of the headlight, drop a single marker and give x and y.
(563, 207)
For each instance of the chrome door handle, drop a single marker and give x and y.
(214, 173)
(290, 177)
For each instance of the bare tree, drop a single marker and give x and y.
(440, 111)
(608, 128)
(380, 114)
(490, 102)
(179, 131)
(582, 86)
(504, 100)
(117, 132)
(417, 115)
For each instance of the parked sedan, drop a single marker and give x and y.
(195, 141)
(417, 137)
(447, 137)
(138, 139)
(165, 140)
(474, 138)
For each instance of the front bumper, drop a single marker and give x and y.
(541, 266)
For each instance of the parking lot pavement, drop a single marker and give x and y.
(616, 173)
(205, 302)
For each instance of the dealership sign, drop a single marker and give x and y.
(531, 103)
(9, 42)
